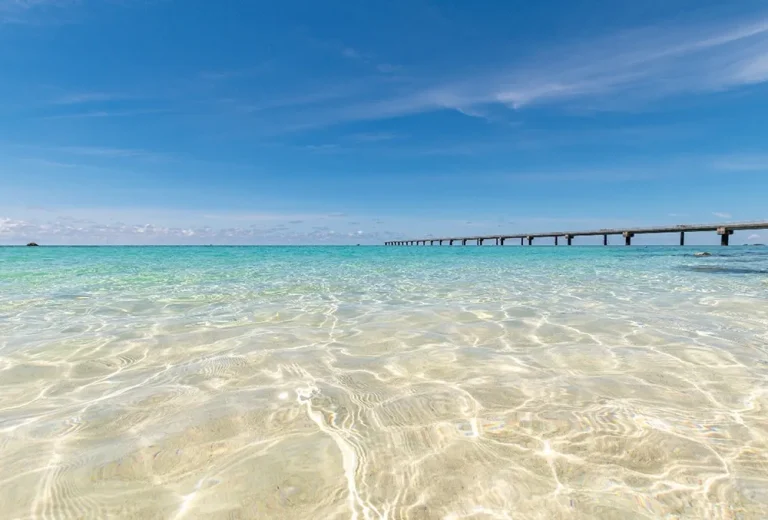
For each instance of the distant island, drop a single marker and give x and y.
(32, 244)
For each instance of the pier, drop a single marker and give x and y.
(724, 230)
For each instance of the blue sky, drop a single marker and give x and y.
(170, 121)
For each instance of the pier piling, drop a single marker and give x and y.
(570, 239)
(725, 234)
(628, 238)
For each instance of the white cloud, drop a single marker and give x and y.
(157, 226)
(721, 214)
(753, 237)
(66, 230)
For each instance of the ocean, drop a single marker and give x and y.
(383, 382)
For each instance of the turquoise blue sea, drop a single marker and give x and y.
(383, 382)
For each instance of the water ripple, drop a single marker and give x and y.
(373, 383)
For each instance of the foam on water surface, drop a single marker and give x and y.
(374, 383)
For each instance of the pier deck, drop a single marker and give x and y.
(724, 230)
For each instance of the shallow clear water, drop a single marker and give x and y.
(367, 383)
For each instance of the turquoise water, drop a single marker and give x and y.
(383, 382)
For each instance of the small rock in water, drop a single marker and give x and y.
(32, 244)
(704, 253)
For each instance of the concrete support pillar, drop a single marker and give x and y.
(628, 238)
(555, 239)
(501, 241)
(725, 235)
(450, 242)
(682, 238)
(441, 242)
(530, 240)
(464, 242)
(497, 241)
(521, 240)
(479, 241)
(605, 240)
(569, 238)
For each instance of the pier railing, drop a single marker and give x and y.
(724, 230)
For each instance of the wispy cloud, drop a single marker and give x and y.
(47, 12)
(96, 151)
(387, 68)
(30, 11)
(109, 113)
(373, 137)
(263, 217)
(349, 52)
(48, 164)
(322, 148)
(614, 72)
(237, 72)
(742, 162)
(721, 214)
(753, 237)
(88, 97)
(646, 63)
